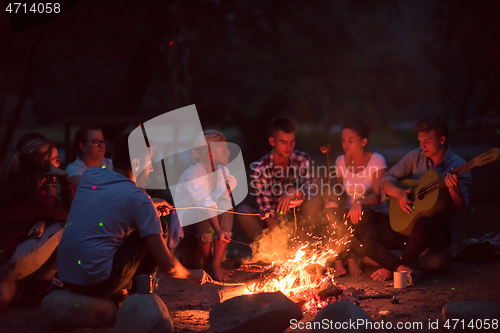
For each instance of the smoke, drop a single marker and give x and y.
(273, 246)
(325, 239)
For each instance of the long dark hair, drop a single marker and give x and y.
(32, 161)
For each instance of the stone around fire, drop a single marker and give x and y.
(264, 312)
(477, 312)
(63, 308)
(340, 315)
(143, 313)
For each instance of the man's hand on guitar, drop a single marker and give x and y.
(404, 202)
(355, 212)
(451, 179)
(452, 183)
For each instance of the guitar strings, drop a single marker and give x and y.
(429, 188)
(437, 183)
(459, 171)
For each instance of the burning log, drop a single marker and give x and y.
(329, 289)
(230, 292)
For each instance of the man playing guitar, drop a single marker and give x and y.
(431, 232)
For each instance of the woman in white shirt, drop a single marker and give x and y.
(359, 171)
(207, 184)
(90, 148)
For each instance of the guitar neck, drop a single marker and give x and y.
(441, 183)
(483, 159)
(458, 171)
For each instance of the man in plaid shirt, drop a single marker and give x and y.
(284, 174)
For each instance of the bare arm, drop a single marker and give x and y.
(452, 182)
(169, 264)
(221, 234)
(374, 198)
(355, 212)
(393, 190)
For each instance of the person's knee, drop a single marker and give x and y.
(204, 239)
(364, 229)
(226, 221)
(245, 209)
(433, 261)
(204, 233)
(420, 227)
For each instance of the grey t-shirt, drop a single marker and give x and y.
(78, 167)
(107, 207)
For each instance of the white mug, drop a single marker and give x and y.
(401, 279)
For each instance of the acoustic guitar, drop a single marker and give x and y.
(429, 194)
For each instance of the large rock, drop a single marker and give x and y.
(471, 310)
(8, 290)
(66, 309)
(264, 312)
(143, 313)
(338, 317)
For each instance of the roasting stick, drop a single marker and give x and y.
(228, 284)
(238, 242)
(295, 220)
(214, 209)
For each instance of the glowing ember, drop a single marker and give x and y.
(299, 273)
(299, 278)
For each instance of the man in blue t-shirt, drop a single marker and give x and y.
(113, 231)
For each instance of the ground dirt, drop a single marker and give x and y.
(189, 304)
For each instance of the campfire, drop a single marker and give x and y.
(301, 272)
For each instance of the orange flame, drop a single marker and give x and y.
(303, 270)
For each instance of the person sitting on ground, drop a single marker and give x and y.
(31, 220)
(90, 148)
(204, 185)
(50, 183)
(25, 138)
(359, 171)
(432, 233)
(280, 176)
(114, 231)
